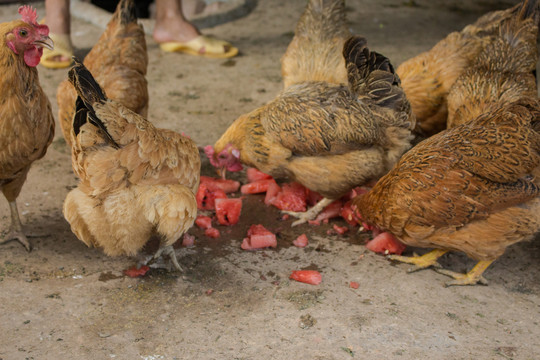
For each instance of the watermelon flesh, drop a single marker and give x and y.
(228, 210)
(258, 237)
(386, 243)
(312, 277)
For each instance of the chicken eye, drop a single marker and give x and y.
(23, 32)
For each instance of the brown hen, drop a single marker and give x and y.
(118, 61)
(26, 120)
(473, 188)
(135, 180)
(428, 77)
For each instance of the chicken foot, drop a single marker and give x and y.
(311, 213)
(420, 262)
(473, 277)
(168, 250)
(15, 230)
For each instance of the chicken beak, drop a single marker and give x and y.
(222, 172)
(45, 42)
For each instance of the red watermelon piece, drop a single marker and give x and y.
(256, 175)
(349, 214)
(272, 193)
(258, 237)
(212, 232)
(203, 222)
(331, 211)
(292, 197)
(188, 240)
(228, 210)
(301, 241)
(256, 187)
(386, 243)
(206, 198)
(312, 277)
(225, 185)
(136, 272)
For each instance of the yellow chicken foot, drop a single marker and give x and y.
(473, 277)
(421, 262)
(311, 213)
(169, 250)
(15, 231)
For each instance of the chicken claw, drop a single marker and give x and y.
(473, 277)
(19, 236)
(421, 262)
(169, 250)
(311, 214)
(15, 231)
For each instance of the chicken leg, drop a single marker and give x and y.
(473, 277)
(168, 250)
(421, 262)
(15, 230)
(311, 213)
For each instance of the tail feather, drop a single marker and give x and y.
(89, 93)
(370, 72)
(530, 9)
(127, 12)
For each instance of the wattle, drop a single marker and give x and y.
(32, 56)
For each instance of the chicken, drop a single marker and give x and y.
(475, 187)
(118, 61)
(326, 136)
(26, 120)
(509, 78)
(428, 77)
(314, 53)
(135, 180)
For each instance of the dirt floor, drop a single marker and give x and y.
(66, 301)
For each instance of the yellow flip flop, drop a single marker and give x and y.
(202, 46)
(62, 47)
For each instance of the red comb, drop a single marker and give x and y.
(28, 14)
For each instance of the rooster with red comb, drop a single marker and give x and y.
(26, 119)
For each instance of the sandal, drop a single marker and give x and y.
(202, 45)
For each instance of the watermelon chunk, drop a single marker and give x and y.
(203, 222)
(312, 197)
(272, 193)
(386, 243)
(206, 198)
(256, 175)
(225, 185)
(259, 237)
(212, 232)
(292, 197)
(136, 272)
(301, 241)
(340, 229)
(312, 277)
(331, 211)
(349, 214)
(188, 240)
(228, 210)
(256, 187)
